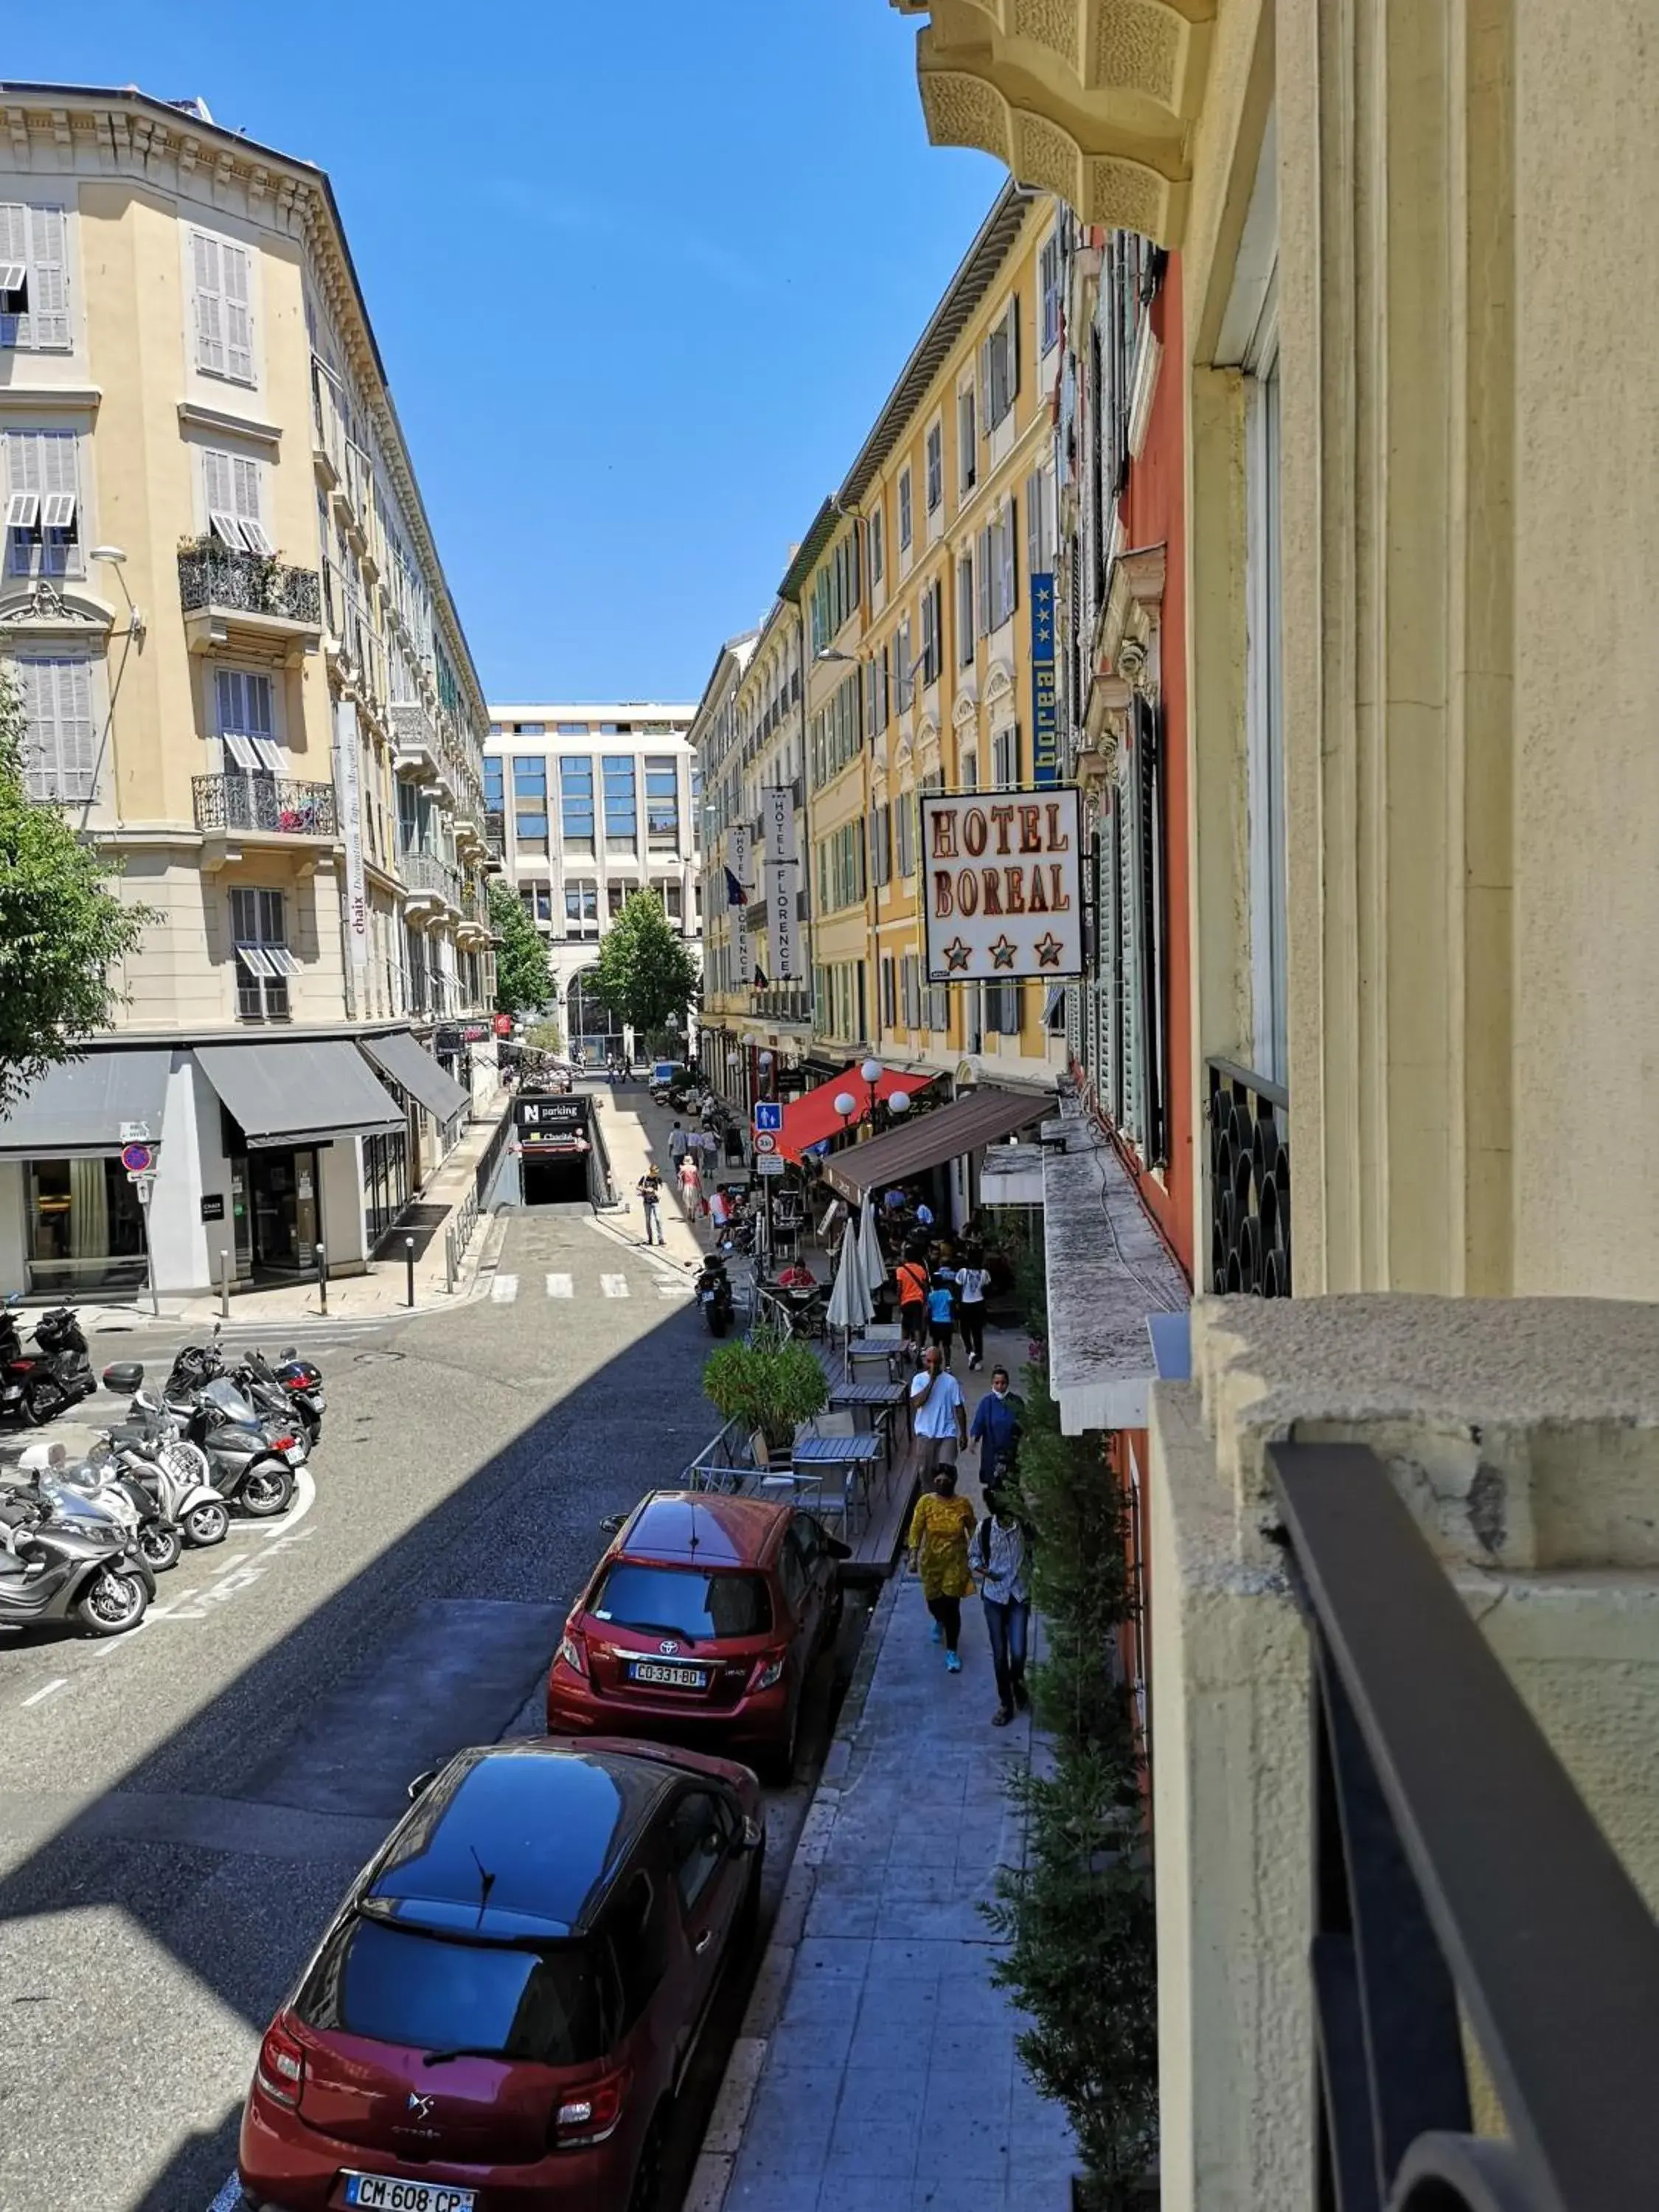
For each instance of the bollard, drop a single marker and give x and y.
(322, 1276)
(449, 1263)
(409, 1262)
(224, 1286)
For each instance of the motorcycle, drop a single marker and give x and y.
(118, 1496)
(251, 1464)
(303, 1380)
(58, 1375)
(199, 1364)
(713, 1295)
(157, 1454)
(58, 1563)
(294, 1387)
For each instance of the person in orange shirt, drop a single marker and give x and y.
(911, 1276)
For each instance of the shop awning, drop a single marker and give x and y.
(298, 1092)
(808, 1119)
(82, 1106)
(949, 1132)
(406, 1061)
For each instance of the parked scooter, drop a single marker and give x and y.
(198, 1365)
(156, 1453)
(713, 1294)
(281, 1392)
(250, 1463)
(56, 1565)
(56, 1376)
(102, 1480)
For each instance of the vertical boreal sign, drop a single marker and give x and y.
(1004, 877)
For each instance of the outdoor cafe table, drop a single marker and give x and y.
(856, 1455)
(881, 1400)
(881, 1344)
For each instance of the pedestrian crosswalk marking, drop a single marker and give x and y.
(667, 1289)
(504, 1290)
(614, 1286)
(561, 1286)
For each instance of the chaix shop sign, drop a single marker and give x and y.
(1005, 884)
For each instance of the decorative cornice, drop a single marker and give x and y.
(51, 398)
(41, 609)
(222, 424)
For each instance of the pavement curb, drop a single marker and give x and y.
(711, 2177)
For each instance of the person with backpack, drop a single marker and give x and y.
(1000, 1559)
(942, 1313)
(911, 1275)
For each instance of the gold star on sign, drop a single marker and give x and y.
(1048, 950)
(956, 954)
(1002, 952)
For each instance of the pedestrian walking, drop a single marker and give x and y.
(971, 1279)
(692, 1186)
(940, 1529)
(999, 1419)
(911, 1276)
(938, 1413)
(1000, 1559)
(941, 1314)
(650, 1190)
(678, 1143)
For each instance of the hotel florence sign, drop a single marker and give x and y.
(1004, 877)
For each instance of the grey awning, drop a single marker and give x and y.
(927, 1140)
(406, 1061)
(80, 1106)
(294, 1092)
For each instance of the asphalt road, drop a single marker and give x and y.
(181, 1809)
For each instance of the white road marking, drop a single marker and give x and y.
(504, 1290)
(229, 2199)
(615, 1287)
(561, 1286)
(667, 1289)
(50, 1690)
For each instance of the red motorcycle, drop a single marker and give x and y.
(57, 1374)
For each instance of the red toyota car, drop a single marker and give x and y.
(701, 1624)
(509, 1999)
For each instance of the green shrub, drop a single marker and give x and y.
(766, 1382)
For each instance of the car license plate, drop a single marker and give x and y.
(676, 1678)
(383, 2194)
(319, 1403)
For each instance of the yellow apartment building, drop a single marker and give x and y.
(244, 678)
(915, 585)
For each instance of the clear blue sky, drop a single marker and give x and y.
(641, 274)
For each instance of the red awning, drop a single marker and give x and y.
(809, 1119)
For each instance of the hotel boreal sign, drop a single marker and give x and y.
(1045, 719)
(1005, 884)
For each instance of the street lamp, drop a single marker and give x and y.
(847, 1106)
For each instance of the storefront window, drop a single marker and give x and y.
(86, 1227)
(386, 1182)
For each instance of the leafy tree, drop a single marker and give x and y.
(62, 930)
(523, 977)
(646, 976)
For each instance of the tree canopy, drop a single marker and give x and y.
(62, 929)
(524, 979)
(647, 975)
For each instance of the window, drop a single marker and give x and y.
(537, 898)
(60, 758)
(530, 799)
(932, 642)
(264, 962)
(834, 736)
(967, 441)
(935, 466)
(910, 982)
(576, 803)
(875, 693)
(530, 729)
(581, 909)
(903, 672)
(999, 366)
(674, 904)
(495, 799)
(834, 600)
(997, 556)
(878, 547)
(573, 729)
(615, 896)
(965, 610)
(881, 843)
(1003, 1009)
(1005, 758)
(231, 484)
(840, 869)
(1049, 276)
(33, 278)
(662, 805)
(247, 729)
(622, 820)
(904, 510)
(1265, 720)
(889, 994)
(223, 278)
(639, 1943)
(904, 834)
(938, 1009)
(43, 514)
(1039, 523)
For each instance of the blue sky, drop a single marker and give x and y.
(641, 274)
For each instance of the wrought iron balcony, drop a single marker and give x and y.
(270, 804)
(416, 737)
(1249, 1182)
(218, 579)
(425, 874)
(1457, 1878)
(495, 824)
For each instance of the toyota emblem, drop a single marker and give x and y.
(668, 1648)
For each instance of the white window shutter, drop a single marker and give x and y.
(45, 326)
(1013, 327)
(982, 570)
(58, 744)
(1132, 1111)
(15, 243)
(209, 283)
(219, 484)
(235, 262)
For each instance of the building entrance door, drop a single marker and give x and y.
(283, 1210)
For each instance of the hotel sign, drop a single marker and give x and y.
(1004, 876)
(1045, 718)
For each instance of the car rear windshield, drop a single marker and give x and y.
(688, 1601)
(398, 1985)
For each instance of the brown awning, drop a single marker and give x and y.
(948, 1134)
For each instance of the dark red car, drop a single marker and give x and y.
(701, 1624)
(509, 1999)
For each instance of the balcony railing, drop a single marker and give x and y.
(425, 872)
(495, 830)
(1457, 1877)
(268, 803)
(1249, 1182)
(217, 576)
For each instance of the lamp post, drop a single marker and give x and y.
(763, 1066)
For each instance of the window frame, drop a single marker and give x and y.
(261, 994)
(36, 547)
(933, 465)
(906, 510)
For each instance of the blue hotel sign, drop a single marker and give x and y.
(1045, 719)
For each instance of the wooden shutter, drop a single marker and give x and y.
(1011, 559)
(1011, 325)
(237, 266)
(245, 503)
(1154, 930)
(1131, 861)
(14, 250)
(982, 564)
(46, 326)
(208, 282)
(219, 488)
(58, 744)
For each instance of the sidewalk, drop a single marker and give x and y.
(636, 1130)
(877, 2071)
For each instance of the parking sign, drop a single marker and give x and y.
(768, 1115)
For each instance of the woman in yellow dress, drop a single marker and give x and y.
(940, 1529)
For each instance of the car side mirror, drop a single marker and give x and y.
(752, 1837)
(611, 1524)
(836, 1549)
(422, 1783)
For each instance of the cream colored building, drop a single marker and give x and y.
(244, 677)
(1421, 380)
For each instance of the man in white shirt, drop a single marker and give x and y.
(938, 1413)
(678, 1141)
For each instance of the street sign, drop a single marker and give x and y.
(769, 1113)
(765, 1141)
(137, 1159)
(135, 1133)
(769, 1164)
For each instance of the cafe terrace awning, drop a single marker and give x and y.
(297, 1092)
(80, 1106)
(947, 1134)
(808, 1119)
(406, 1061)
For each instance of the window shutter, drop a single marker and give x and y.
(219, 487)
(245, 504)
(58, 746)
(1013, 349)
(14, 246)
(45, 326)
(1011, 559)
(208, 281)
(1132, 1116)
(983, 563)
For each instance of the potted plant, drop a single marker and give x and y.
(766, 1383)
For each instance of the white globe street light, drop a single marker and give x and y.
(870, 1071)
(899, 1102)
(846, 1104)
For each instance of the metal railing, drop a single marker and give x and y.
(1249, 1182)
(425, 872)
(271, 803)
(495, 830)
(414, 728)
(214, 576)
(1457, 1877)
